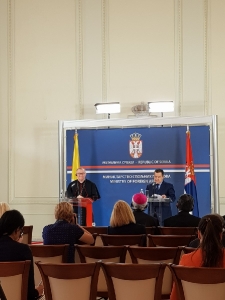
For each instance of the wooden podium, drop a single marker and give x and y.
(154, 200)
(83, 208)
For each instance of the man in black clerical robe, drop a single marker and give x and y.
(82, 188)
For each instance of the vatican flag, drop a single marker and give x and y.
(76, 158)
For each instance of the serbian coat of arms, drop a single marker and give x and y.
(135, 145)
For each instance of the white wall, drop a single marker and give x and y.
(58, 58)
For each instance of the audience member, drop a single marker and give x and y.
(11, 229)
(195, 243)
(3, 208)
(185, 205)
(210, 252)
(65, 230)
(139, 204)
(122, 220)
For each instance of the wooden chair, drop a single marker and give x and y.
(199, 283)
(178, 230)
(50, 254)
(96, 231)
(14, 279)
(151, 230)
(186, 250)
(133, 281)
(90, 254)
(169, 240)
(2, 294)
(144, 255)
(69, 281)
(121, 240)
(27, 234)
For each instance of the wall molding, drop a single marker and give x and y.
(104, 52)
(10, 100)
(80, 60)
(206, 59)
(180, 57)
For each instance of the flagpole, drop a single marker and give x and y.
(215, 173)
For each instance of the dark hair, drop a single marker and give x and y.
(10, 221)
(185, 203)
(211, 227)
(159, 171)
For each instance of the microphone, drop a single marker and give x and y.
(153, 189)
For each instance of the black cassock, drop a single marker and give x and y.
(86, 189)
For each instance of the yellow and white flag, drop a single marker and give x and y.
(76, 158)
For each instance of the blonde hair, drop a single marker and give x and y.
(3, 208)
(122, 214)
(64, 211)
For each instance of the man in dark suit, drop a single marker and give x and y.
(185, 205)
(166, 190)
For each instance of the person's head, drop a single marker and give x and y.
(64, 211)
(81, 174)
(158, 176)
(210, 230)
(3, 208)
(122, 214)
(11, 223)
(139, 201)
(185, 203)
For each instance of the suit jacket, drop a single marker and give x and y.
(167, 189)
(144, 219)
(182, 219)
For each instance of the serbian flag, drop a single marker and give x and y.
(76, 158)
(190, 180)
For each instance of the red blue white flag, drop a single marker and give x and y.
(190, 180)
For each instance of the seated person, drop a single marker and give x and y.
(195, 243)
(139, 204)
(11, 230)
(122, 220)
(65, 230)
(185, 205)
(210, 253)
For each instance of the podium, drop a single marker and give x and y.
(155, 200)
(83, 208)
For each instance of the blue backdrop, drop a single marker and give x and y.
(105, 154)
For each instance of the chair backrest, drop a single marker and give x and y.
(27, 234)
(50, 254)
(133, 281)
(98, 240)
(121, 240)
(2, 294)
(178, 230)
(169, 240)
(97, 229)
(90, 254)
(151, 230)
(199, 283)
(65, 281)
(144, 255)
(14, 279)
